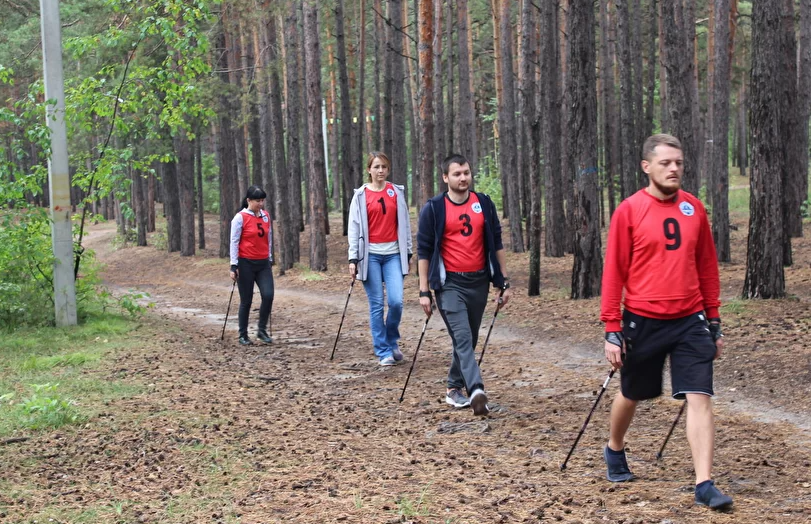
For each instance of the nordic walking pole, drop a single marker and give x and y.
(487, 339)
(222, 337)
(662, 449)
(342, 317)
(583, 429)
(414, 361)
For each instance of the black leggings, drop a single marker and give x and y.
(251, 271)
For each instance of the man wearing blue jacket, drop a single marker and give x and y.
(460, 252)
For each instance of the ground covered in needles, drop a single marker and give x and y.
(216, 432)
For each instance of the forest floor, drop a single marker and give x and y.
(279, 433)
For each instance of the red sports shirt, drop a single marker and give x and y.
(254, 242)
(381, 211)
(662, 254)
(463, 240)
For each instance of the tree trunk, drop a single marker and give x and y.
(229, 184)
(609, 101)
(764, 255)
(629, 183)
(743, 132)
(795, 145)
(198, 165)
(440, 145)
(804, 95)
(664, 119)
(263, 149)
(315, 158)
(426, 62)
(638, 83)
(680, 90)
(467, 144)
(359, 149)
(397, 122)
(532, 127)
(650, 89)
(139, 191)
(235, 79)
(171, 206)
(450, 147)
(554, 238)
(185, 185)
(526, 97)
(347, 167)
(412, 101)
(507, 141)
(719, 124)
(334, 129)
(293, 110)
(151, 196)
(582, 127)
(285, 230)
(380, 46)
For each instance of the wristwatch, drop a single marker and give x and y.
(506, 284)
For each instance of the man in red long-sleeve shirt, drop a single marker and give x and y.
(661, 252)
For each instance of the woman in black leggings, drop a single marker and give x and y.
(251, 257)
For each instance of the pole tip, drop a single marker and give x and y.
(562, 467)
(659, 456)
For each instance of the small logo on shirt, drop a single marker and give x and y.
(265, 219)
(476, 207)
(687, 209)
(390, 192)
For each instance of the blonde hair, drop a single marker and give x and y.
(372, 156)
(658, 140)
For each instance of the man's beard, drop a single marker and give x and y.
(669, 191)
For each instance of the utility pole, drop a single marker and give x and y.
(59, 180)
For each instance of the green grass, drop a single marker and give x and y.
(407, 507)
(44, 379)
(308, 274)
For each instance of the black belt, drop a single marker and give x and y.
(468, 273)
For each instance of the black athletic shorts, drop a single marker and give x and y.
(648, 341)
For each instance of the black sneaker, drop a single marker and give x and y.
(478, 401)
(455, 398)
(263, 336)
(708, 495)
(617, 467)
(244, 340)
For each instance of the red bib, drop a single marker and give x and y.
(463, 240)
(254, 243)
(381, 210)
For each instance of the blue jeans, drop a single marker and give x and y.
(385, 333)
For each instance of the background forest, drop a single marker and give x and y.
(184, 103)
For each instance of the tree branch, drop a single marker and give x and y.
(388, 23)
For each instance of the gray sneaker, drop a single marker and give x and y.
(456, 398)
(617, 466)
(387, 361)
(397, 354)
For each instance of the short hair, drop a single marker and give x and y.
(657, 140)
(453, 158)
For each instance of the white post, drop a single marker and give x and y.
(61, 233)
(324, 131)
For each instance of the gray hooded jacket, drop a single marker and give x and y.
(358, 230)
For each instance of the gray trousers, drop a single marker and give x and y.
(461, 303)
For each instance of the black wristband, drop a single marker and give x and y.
(715, 329)
(427, 294)
(615, 338)
(234, 268)
(353, 261)
(506, 285)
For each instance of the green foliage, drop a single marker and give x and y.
(413, 508)
(130, 302)
(488, 179)
(47, 408)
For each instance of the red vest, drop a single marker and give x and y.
(254, 243)
(381, 212)
(463, 241)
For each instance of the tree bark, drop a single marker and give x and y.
(680, 90)
(450, 146)
(794, 142)
(185, 185)
(467, 144)
(315, 158)
(347, 167)
(508, 146)
(359, 149)
(334, 128)
(628, 181)
(426, 63)
(198, 165)
(293, 110)
(664, 119)
(764, 255)
(532, 127)
(719, 124)
(650, 89)
(171, 206)
(804, 95)
(397, 122)
(609, 100)
(582, 127)
(229, 184)
(440, 145)
(554, 238)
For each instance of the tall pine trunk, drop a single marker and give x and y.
(795, 177)
(397, 122)
(316, 172)
(185, 185)
(198, 165)
(628, 136)
(467, 144)
(531, 124)
(554, 237)
(764, 254)
(293, 110)
(582, 128)
(426, 63)
(347, 167)
(719, 124)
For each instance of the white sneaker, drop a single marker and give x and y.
(387, 361)
(478, 401)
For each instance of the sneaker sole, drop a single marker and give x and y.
(450, 401)
(725, 505)
(479, 405)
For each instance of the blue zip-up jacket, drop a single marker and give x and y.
(431, 228)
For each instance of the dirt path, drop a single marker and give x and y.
(293, 437)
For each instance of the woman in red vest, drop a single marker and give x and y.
(251, 257)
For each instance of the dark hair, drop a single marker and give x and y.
(659, 140)
(254, 193)
(453, 158)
